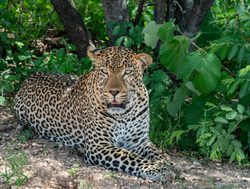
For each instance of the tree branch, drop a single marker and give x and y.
(73, 25)
(138, 13)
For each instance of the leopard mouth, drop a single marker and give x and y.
(116, 108)
(116, 105)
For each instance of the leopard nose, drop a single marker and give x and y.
(114, 92)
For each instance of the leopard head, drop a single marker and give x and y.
(119, 76)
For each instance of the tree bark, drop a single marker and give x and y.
(116, 11)
(73, 25)
(170, 10)
(190, 15)
(160, 11)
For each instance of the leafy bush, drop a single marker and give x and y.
(210, 97)
(131, 39)
(20, 65)
(21, 24)
(216, 132)
(62, 61)
(93, 16)
(18, 29)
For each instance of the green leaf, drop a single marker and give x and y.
(204, 136)
(2, 101)
(151, 34)
(211, 140)
(176, 135)
(220, 119)
(208, 74)
(136, 34)
(119, 41)
(116, 30)
(244, 71)
(231, 115)
(8, 86)
(241, 155)
(232, 88)
(229, 150)
(233, 52)
(215, 151)
(22, 57)
(166, 31)
(216, 130)
(158, 90)
(192, 63)
(223, 132)
(245, 89)
(223, 52)
(240, 108)
(159, 76)
(241, 55)
(236, 144)
(128, 42)
(232, 157)
(232, 126)
(226, 108)
(191, 87)
(172, 54)
(174, 106)
(19, 44)
(194, 112)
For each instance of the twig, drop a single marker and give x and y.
(193, 43)
(228, 71)
(177, 3)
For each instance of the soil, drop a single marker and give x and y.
(50, 166)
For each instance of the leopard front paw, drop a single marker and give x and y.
(159, 172)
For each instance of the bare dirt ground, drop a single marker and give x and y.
(49, 166)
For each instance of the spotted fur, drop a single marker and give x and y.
(105, 113)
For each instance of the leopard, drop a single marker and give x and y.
(104, 113)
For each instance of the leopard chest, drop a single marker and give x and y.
(128, 133)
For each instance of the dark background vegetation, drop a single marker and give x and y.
(199, 83)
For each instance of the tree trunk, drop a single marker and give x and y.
(191, 14)
(73, 25)
(160, 11)
(116, 11)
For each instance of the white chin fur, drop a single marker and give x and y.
(116, 110)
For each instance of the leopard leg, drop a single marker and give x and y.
(119, 159)
(149, 151)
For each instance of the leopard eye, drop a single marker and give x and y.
(127, 72)
(104, 71)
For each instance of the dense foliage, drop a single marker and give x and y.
(199, 88)
(211, 98)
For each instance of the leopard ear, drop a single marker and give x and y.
(144, 59)
(92, 52)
